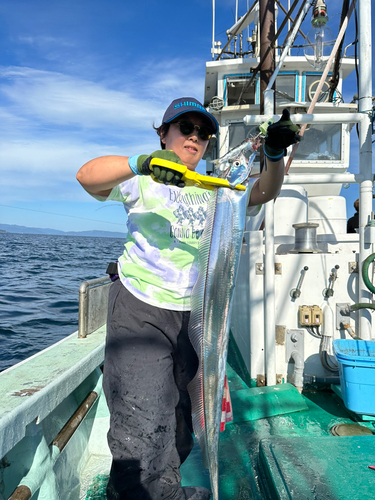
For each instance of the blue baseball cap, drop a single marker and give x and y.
(187, 105)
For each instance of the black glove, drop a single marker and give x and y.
(162, 174)
(280, 135)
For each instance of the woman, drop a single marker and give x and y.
(149, 360)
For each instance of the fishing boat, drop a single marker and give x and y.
(301, 354)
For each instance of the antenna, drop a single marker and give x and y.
(213, 29)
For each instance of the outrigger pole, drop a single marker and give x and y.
(267, 33)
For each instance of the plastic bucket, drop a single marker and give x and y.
(356, 360)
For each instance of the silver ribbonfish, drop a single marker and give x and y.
(219, 254)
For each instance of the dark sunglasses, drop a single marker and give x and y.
(187, 128)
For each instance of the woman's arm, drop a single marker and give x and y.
(100, 175)
(268, 186)
(279, 136)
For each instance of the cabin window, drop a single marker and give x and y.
(286, 89)
(236, 88)
(310, 84)
(320, 142)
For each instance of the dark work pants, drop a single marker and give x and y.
(149, 362)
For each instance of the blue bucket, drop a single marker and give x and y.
(356, 360)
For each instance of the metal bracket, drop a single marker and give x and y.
(278, 268)
(353, 267)
(259, 268)
(294, 342)
(341, 315)
(280, 334)
(93, 305)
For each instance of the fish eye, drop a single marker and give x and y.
(237, 163)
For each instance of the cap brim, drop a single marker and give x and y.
(208, 116)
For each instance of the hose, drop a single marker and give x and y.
(328, 361)
(361, 305)
(365, 275)
(370, 286)
(299, 365)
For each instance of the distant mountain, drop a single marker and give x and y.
(12, 228)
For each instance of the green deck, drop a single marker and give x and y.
(293, 454)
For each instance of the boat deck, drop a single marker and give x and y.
(291, 455)
(279, 446)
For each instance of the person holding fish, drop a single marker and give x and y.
(149, 360)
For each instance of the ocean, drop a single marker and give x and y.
(40, 279)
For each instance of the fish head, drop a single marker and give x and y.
(236, 165)
(238, 170)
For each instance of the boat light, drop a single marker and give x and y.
(320, 39)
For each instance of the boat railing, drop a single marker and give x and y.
(46, 458)
(93, 304)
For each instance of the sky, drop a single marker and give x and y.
(81, 79)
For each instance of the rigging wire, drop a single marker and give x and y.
(291, 19)
(270, 47)
(231, 37)
(62, 215)
(297, 18)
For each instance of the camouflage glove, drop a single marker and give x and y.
(162, 174)
(279, 136)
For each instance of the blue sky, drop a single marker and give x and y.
(80, 79)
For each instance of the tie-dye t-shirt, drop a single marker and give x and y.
(159, 264)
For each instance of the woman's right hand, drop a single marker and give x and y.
(161, 173)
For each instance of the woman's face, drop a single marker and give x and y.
(190, 148)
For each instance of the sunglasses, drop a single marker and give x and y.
(187, 128)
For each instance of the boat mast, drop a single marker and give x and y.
(267, 34)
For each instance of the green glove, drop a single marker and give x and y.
(162, 174)
(279, 136)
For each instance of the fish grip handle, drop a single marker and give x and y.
(191, 178)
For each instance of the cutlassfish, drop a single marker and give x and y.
(211, 300)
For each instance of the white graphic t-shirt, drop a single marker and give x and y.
(160, 260)
(159, 263)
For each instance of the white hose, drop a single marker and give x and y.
(299, 365)
(328, 360)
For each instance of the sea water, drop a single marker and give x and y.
(40, 276)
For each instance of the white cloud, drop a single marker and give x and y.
(52, 98)
(174, 78)
(62, 156)
(59, 99)
(45, 41)
(52, 123)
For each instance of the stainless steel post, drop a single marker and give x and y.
(365, 154)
